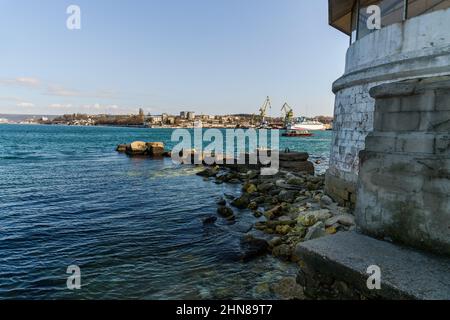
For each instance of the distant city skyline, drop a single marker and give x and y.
(209, 57)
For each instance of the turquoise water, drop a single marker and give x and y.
(133, 226)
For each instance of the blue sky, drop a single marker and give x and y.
(208, 56)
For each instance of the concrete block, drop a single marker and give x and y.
(405, 273)
(388, 105)
(443, 100)
(415, 143)
(442, 145)
(438, 121)
(381, 143)
(420, 102)
(399, 121)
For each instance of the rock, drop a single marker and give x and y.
(155, 145)
(155, 148)
(273, 213)
(208, 172)
(266, 187)
(287, 196)
(137, 147)
(321, 215)
(306, 166)
(258, 214)
(209, 220)
(316, 231)
(253, 205)
(296, 181)
(307, 220)
(252, 174)
(253, 247)
(282, 251)
(226, 212)
(222, 202)
(122, 148)
(294, 156)
(262, 288)
(345, 219)
(251, 188)
(289, 289)
(275, 242)
(283, 230)
(331, 230)
(326, 200)
(241, 203)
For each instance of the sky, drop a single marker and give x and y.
(207, 56)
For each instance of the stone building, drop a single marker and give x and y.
(413, 42)
(391, 151)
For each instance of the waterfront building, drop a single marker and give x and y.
(190, 115)
(413, 42)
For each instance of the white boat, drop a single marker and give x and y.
(3, 120)
(308, 125)
(198, 124)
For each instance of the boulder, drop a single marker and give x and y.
(122, 148)
(294, 156)
(253, 247)
(282, 251)
(316, 231)
(226, 212)
(326, 200)
(137, 147)
(298, 166)
(296, 181)
(242, 202)
(251, 188)
(266, 187)
(209, 220)
(344, 219)
(155, 145)
(288, 289)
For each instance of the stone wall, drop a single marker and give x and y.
(416, 48)
(404, 180)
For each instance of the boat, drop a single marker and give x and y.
(307, 125)
(297, 133)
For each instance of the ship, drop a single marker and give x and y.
(306, 125)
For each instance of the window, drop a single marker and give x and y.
(419, 7)
(354, 23)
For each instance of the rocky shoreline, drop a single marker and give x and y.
(289, 208)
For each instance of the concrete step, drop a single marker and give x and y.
(342, 261)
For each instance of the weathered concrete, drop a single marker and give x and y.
(404, 179)
(418, 47)
(336, 267)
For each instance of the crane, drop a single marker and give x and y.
(263, 109)
(288, 114)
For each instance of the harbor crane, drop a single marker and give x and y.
(263, 110)
(288, 114)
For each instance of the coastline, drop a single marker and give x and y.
(288, 208)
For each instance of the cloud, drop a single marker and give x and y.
(24, 104)
(57, 90)
(21, 82)
(60, 106)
